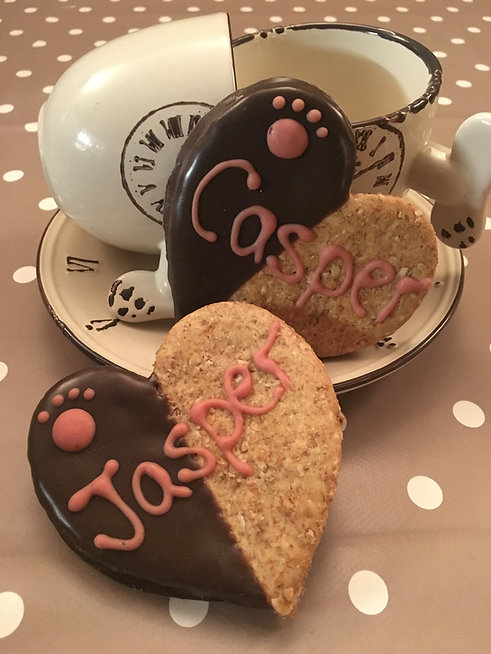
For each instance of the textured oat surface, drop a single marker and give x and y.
(277, 514)
(370, 227)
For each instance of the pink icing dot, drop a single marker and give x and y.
(279, 102)
(73, 430)
(89, 394)
(314, 115)
(322, 132)
(43, 417)
(298, 104)
(57, 400)
(287, 138)
(73, 393)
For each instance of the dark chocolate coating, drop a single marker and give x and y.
(187, 552)
(301, 190)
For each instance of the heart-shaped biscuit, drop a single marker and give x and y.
(210, 480)
(258, 210)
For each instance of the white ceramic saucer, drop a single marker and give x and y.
(75, 272)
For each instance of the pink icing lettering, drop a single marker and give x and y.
(102, 486)
(265, 363)
(162, 477)
(253, 183)
(365, 279)
(235, 392)
(268, 227)
(403, 286)
(284, 232)
(187, 475)
(328, 254)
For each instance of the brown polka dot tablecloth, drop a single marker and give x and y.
(405, 562)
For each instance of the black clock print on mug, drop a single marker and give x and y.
(380, 155)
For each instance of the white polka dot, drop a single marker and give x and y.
(31, 127)
(193, 9)
(6, 108)
(23, 73)
(139, 9)
(383, 19)
(482, 67)
(487, 19)
(298, 9)
(453, 10)
(250, 30)
(440, 54)
(75, 31)
(16, 32)
(48, 89)
(246, 10)
(39, 44)
(351, 10)
(275, 19)
(436, 19)
(425, 492)
(187, 613)
(47, 204)
(11, 612)
(13, 175)
(402, 10)
(468, 414)
(98, 44)
(84, 10)
(24, 275)
(463, 83)
(488, 223)
(51, 19)
(368, 592)
(474, 30)
(442, 100)
(330, 19)
(457, 41)
(64, 57)
(419, 30)
(30, 10)
(109, 19)
(466, 260)
(165, 19)
(2, 59)
(3, 370)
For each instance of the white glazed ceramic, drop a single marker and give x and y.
(77, 303)
(111, 129)
(388, 85)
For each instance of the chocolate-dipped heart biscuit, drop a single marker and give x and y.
(258, 210)
(210, 480)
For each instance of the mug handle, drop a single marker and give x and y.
(459, 181)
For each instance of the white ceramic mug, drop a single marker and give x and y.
(111, 129)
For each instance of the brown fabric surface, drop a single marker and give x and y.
(432, 591)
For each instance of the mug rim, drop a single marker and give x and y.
(431, 62)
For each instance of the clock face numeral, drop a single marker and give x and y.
(102, 324)
(81, 265)
(380, 155)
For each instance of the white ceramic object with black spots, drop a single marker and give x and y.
(112, 128)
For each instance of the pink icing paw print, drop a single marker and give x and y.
(287, 138)
(74, 428)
